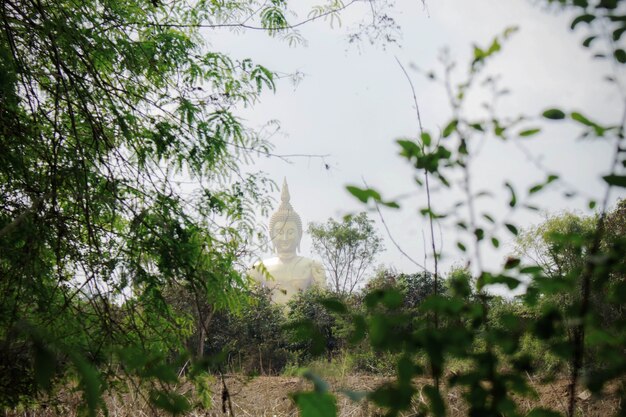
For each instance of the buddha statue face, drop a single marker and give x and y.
(285, 227)
(286, 237)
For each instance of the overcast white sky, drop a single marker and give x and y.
(354, 102)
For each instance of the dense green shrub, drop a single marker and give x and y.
(313, 329)
(251, 340)
(514, 320)
(414, 287)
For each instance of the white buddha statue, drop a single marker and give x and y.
(287, 273)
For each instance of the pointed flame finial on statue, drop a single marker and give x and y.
(284, 195)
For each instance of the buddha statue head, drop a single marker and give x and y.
(285, 227)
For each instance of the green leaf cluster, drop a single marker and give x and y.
(106, 107)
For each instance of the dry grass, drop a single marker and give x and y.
(268, 396)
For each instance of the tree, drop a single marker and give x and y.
(544, 244)
(348, 249)
(560, 246)
(415, 287)
(105, 107)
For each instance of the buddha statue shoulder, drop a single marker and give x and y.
(287, 272)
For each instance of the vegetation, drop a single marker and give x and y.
(580, 260)
(348, 250)
(111, 272)
(252, 340)
(110, 267)
(264, 338)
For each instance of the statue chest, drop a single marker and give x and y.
(289, 279)
(294, 277)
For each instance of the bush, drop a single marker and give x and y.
(313, 329)
(515, 319)
(252, 340)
